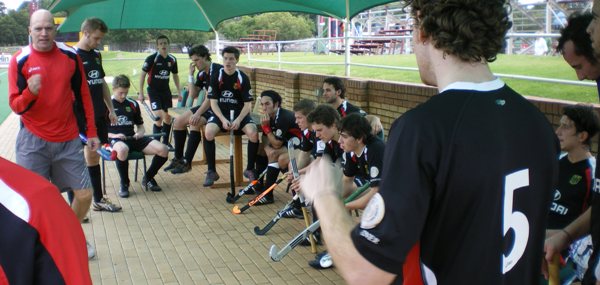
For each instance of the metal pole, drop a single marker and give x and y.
(279, 55)
(347, 30)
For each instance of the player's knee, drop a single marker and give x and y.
(163, 151)
(83, 195)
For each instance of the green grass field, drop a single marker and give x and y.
(549, 67)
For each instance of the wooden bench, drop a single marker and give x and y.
(222, 137)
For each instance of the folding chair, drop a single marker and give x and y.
(133, 155)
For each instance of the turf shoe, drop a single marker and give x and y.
(151, 184)
(322, 261)
(183, 168)
(175, 162)
(293, 213)
(106, 205)
(124, 191)
(211, 177)
(264, 201)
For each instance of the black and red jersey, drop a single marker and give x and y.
(465, 190)
(203, 77)
(128, 115)
(346, 108)
(331, 148)
(574, 192)
(230, 91)
(41, 240)
(159, 70)
(284, 126)
(366, 165)
(92, 65)
(63, 108)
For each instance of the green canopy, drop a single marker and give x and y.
(201, 15)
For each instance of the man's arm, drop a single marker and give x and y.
(108, 102)
(563, 238)
(142, 81)
(177, 86)
(337, 224)
(363, 200)
(140, 131)
(21, 97)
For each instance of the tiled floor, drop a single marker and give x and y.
(186, 234)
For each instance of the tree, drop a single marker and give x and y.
(288, 26)
(3, 9)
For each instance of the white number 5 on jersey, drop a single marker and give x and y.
(515, 220)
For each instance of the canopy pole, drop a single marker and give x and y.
(218, 46)
(347, 39)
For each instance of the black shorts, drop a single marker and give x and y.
(134, 145)
(245, 121)
(102, 129)
(160, 99)
(209, 113)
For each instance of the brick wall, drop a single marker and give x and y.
(385, 99)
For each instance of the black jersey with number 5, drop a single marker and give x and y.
(465, 190)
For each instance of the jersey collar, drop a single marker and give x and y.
(483, 86)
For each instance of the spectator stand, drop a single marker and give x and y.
(255, 38)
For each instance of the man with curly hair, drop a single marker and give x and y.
(467, 176)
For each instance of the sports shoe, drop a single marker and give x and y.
(151, 184)
(264, 201)
(249, 173)
(322, 261)
(293, 213)
(124, 191)
(211, 177)
(183, 168)
(91, 251)
(175, 162)
(106, 205)
(86, 220)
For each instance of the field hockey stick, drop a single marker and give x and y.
(231, 199)
(296, 174)
(554, 271)
(236, 210)
(278, 216)
(231, 182)
(149, 111)
(277, 255)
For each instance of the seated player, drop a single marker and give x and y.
(195, 117)
(230, 90)
(362, 162)
(123, 138)
(578, 125)
(279, 126)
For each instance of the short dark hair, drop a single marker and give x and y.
(231, 49)
(94, 24)
(163, 37)
(121, 81)
(338, 84)
(356, 126)
(305, 106)
(325, 115)
(273, 95)
(575, 31)
(471, 30)
(585, 119)
(201, 51)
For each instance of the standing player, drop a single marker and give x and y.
(279, 126)
(197, 116)
(47, 89)
(576, 47)
(159, 66)
(464, 193)
(129, 114)
(93, 30)
(230, 90)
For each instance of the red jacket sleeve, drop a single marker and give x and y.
(20, 98)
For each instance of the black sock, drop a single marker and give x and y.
(123, 169)
(155, 130)
(271, 177)
(252, 153)
(179, 137)
(261, 164)
(70, 196)
(209, 149)
(157, 162)
(96, 178)
(166, 128)
(192, 146)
